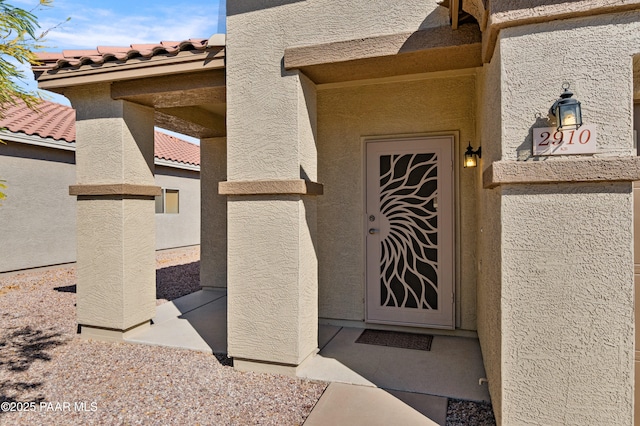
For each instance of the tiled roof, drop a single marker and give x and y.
(118, 54)
(56, 121)
(51, 120)
(171, 148)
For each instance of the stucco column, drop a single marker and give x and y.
(271, 171)
(116, 213)
(556, 254)
(213, 230)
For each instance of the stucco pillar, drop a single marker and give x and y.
(116, 213)
(271, 171)
(213, 241)
(556, 255)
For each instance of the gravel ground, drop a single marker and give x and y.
(465, 413)
(43, 362)
(71, 381)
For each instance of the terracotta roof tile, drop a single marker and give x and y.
(171, 148)
(78, 57)
(51, 120)
(56, 121)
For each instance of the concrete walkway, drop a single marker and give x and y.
(370, 384)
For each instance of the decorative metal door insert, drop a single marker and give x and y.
(410, 232)
(409, 251)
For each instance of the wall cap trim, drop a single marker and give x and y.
(593, 169)
(271, 187)
(115, 189)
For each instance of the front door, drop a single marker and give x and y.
(409, 231)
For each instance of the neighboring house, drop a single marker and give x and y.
(334, 133)
(38, 164)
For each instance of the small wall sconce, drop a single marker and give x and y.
(567, 111)
(471, 156)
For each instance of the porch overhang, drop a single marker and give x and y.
(428, 50)
(187, 89)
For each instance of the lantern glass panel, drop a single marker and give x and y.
(470, 160)
(569, 116)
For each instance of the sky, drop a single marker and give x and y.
(121, 23)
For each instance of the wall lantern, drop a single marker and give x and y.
(567, 111)
(471, 156)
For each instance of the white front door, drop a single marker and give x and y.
(409, 231)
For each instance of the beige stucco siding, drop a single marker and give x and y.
(182, 229)
(442, 105)
(567, 299)
(598, 65)
(38, 216)
(489, 230)
(565, 302)
(255, 62)
(324, 21)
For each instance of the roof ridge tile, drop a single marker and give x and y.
(74, 58)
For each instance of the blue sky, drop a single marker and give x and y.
(121, 23)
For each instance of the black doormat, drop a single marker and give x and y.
(396, 339)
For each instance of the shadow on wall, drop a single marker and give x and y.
(238, 7)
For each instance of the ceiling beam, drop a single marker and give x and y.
(192, 121)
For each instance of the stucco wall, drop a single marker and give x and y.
(567, 304)
(488, 230)
(566, 296)
(445, 104)
(598, 65)
(182, 229)
(271, 134)
(255, 62)
(213, 245)
(38, 216)
(323, 21)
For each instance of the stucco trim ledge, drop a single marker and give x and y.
(271, 187)
(593, 169)
(115, 189)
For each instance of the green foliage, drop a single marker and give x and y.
(18, 41)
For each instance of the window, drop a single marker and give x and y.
(168, 201)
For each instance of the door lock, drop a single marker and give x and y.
(373, 231)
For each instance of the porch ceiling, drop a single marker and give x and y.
(185, 84)
(192, 103)
(429, 50)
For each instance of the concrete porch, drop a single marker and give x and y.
(369, 384)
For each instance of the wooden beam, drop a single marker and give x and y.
(455, 13)
(168, 84)
(192, 121)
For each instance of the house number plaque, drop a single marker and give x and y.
(550, 141)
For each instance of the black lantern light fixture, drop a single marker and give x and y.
(471, 156)
(567, 111)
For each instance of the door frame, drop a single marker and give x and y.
(455, 136)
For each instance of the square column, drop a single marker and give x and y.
(116, 213)
(271, 168)
(556, 294)
(213, 229)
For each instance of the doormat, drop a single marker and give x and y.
(396, 339)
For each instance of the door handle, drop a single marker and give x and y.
(373, 231)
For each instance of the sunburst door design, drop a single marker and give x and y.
(409, 232)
